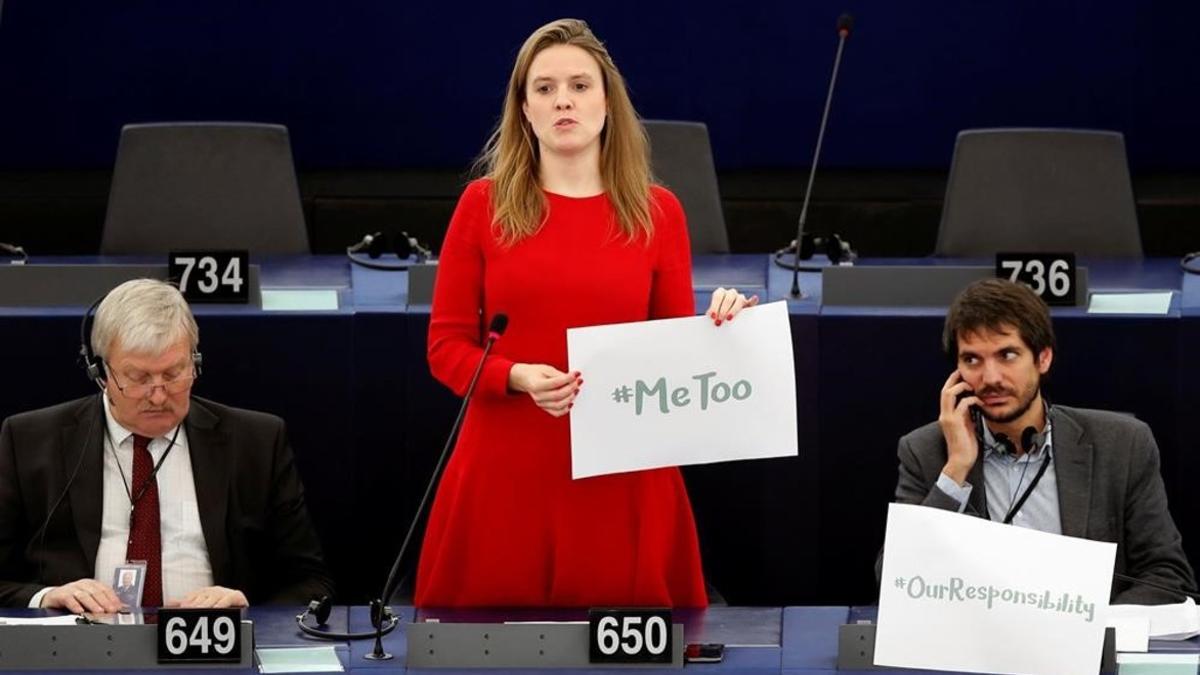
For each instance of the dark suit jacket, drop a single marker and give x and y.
(1109, 489)
(251, 502)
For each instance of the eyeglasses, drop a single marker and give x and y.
(172, 385)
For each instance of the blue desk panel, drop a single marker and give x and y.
(758, 641)
(273, 627)
(881, 369)
(367, 420)
(753, 636)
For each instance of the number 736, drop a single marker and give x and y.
(1039, 276)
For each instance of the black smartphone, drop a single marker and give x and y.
(976, 415)
(707, 652)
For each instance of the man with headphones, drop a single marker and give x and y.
(1000, 451)
(206, 496)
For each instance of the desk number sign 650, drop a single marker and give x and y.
(629, 636)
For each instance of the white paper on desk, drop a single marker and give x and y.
(1157, 664)
(1156, 303)
(964, 593)
(683, 391)
(1179, 621)
(68, 620)
(1132, 632)
(321, 659)
(299, 299)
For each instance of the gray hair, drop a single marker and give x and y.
(147, 316)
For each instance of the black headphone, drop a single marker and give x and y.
(93, 366)
(1187, 265)
(835, 248)
(409, 251)
(14, 250)
(1030, 440)
(320, 609)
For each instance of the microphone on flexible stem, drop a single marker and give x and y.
(844, 24)
(1161, 587)
(379, 607)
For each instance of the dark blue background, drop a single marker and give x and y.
(382, 83)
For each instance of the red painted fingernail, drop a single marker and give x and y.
(718, 322)
(579, 383)
(570, 405)
(729, 317)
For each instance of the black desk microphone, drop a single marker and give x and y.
(844, 25)
(382, 617)
(15, 251)
(1153, 584)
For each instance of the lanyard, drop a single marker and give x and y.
(1012, 512)
(134, 499)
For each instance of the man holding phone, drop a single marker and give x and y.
(1000, 451)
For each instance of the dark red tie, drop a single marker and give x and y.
(145, 535)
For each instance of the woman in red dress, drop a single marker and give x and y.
(565, 230)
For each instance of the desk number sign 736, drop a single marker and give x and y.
(1050, 275)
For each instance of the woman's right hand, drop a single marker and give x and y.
(551, 389)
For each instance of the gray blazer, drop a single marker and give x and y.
(1109, 489)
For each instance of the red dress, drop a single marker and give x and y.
(509, 528)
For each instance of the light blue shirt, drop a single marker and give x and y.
(1006, 477)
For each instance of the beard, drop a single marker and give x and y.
(1024, 401)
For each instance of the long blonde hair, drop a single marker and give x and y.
(510, 157)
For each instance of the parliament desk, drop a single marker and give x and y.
(758, 640)
(367, 420)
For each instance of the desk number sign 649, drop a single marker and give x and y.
(199, 635)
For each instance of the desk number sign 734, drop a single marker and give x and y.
(1050, 275)
(211, 276)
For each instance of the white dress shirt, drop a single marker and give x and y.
(1006, 477)
(185, 564)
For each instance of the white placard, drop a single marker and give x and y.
(964, 593)
(683, 391)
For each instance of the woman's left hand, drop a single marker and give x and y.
(726, 303)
